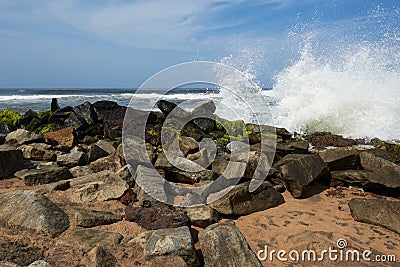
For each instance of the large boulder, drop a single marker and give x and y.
(343, 158)
(82, 117)
(64, 137)
(75, 158)
(150, 186)
(21, 136)
(30, 210)
(172, 242)
(299, 171)
(38, 151)
(223, 245)
(11, 160)
(44, 175)
(376, 160)
(379, 212)
(101, 149)
(322, 140)
(112, 116)
(239, 201)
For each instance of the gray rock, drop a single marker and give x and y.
(87, 239)
(149, 186)
(21, 136)
(343, 158)
(202, 216)
(45, 175)
(236, 146)
(172, 242)
(223, 245)
(299, 171)
(75, 158)
(379, 212)
(39, 263)
(82, 116)
(29, 210)
(92, 218)
(38, 151)
(11, 160)
(101, 186)
(239, 201)
(101, 149)
(79, 171)
(110, 162)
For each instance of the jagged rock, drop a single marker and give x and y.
(79, 171)
(82, 116)
(137, 152)
(344, 158)
(27, 117)
(11, 160)
(30, 210)
(149, 186)
(110, 162)
(379, 212)
(54, 105)
(223, 245)
(64, 137)
(101, 149)
(21, 137)
(172, 242)
(239, 201)
(101, 186)
(299, 171)
(75, 158)
(167, 107)
(92, 218)
(112, 116)
(38, 151)
(45, 175)
(203, 116)
(202, 216)
(158, 216)
(101, 257)
(87, 239)
(376, 160)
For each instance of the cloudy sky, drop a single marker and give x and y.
(120, 43)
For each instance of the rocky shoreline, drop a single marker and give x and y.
(67, 196)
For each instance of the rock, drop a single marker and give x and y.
(300, 147)
(64, 137)
(150, 186)
(79, 171)
(112, 116)
(376, 160)
(222, 244)
(167, 107)
(101, 186)
(92, 218)
(299, 171)
(75, 158)
(87, 239)
(188, 145)
(379, 212)
(110, 162)
(101, 257)
(101, 149)
(11, 160)
(8, 264)
(27, 117)
(45, 175)
(38, 151)
(172, 242)
(202, 216)
(236, 146)
(39, 263)
(344, 158)
(138, 152)
(82, 117)
(239, 201)
(21, 137)
(324, 139)
(175, 261)
(158, 216)
(54, 105)
(4, 130)
(29, 210)
(203, 116)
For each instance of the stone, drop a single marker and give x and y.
(101, 186)
(323, 139)
(11, 160)
(64, 137)
(72, 159)
(223, 245)
(202, 216)
(101, 149)
(112, 116)
(21, 137)
(174, 261)
(376, 160)
(82, 116)
(239, 201)
(79, 171)
(38, 151)
(27, 117)
(157, 216)
(188, 145)
(236, 146)
(138, 153)
(39, 263)
(54, 105)
(102, 257)
(344, 158)
(30, 210)
(149, 186)
(87, 239)
(44, 175)
(172, 242)
(92, 218)
(299, 171)
(381, 212)
(110, 162)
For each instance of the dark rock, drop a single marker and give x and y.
(21, 137)
(112, 116)
(223, 245)
(376, 160)
(82, 117)
(4, 129)
(344, 158)
(172, 242)
(38, 151)
(203, 116)
(27, 117)
(324, 139)
(18, 253)
(239, 201)
(102, 257)
(11, 160)
(379, 212)
(92, 218)
(34, 124)
(99, 150)
(60, 115)
(167, 107)
(392, 149)
(75, 158)
(64, 137)
(29, 210)
(299, 171)
(158, 216)
(54, 105)
(45, 175)
(300, 147)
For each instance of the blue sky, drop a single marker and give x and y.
(120, 43)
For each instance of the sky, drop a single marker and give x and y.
(121, 43)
